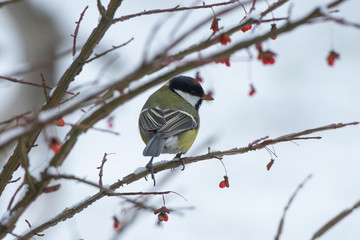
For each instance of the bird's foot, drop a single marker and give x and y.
(150, 167)
(178, 158)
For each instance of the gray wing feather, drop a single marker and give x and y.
(158, 125)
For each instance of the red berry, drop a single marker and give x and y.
(271, 60)
(267, 57)
(215, 24)
(163, 217)
(252, 90)
(222, 184)
(226, 61)
(117, 224)
(110, 122)
(247, 28)
(224, 39)
(258, 46)
(60, 122)
(332, 57)
(268, 166)
(273, 30)
(55, 145)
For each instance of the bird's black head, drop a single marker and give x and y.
(192, 89)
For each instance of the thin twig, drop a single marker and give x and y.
(40, 63)
(174, 9)
(77, 30)
(102, 168)
(25, 164)
(281, 223)
(335, 221)
(15, 118)
(86, 127)
(108, 191)
(13, 197)
(29, 83)
(14, 181)
(44, 88)
(110, 50)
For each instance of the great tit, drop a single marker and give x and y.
(169, 120)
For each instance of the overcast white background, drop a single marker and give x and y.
(298, 92)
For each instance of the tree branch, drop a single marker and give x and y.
(335, 221)
(21, 81)
(77, 30)
(174, 9)
(281, 223)
(255, 145)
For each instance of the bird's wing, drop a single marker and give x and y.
(165, 123)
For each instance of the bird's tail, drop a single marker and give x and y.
(154, 147)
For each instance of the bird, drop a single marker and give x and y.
(169, 120)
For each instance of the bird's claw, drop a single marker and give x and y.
(178, 158)
(150, 167)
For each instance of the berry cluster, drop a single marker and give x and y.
(224, 39)
(267, 57)
(247, 28)
(225, 61)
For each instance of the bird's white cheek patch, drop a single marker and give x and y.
(171, 145)
(193, 100)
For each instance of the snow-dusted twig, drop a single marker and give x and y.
(255, 145)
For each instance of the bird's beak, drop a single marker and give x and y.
(207, 97)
